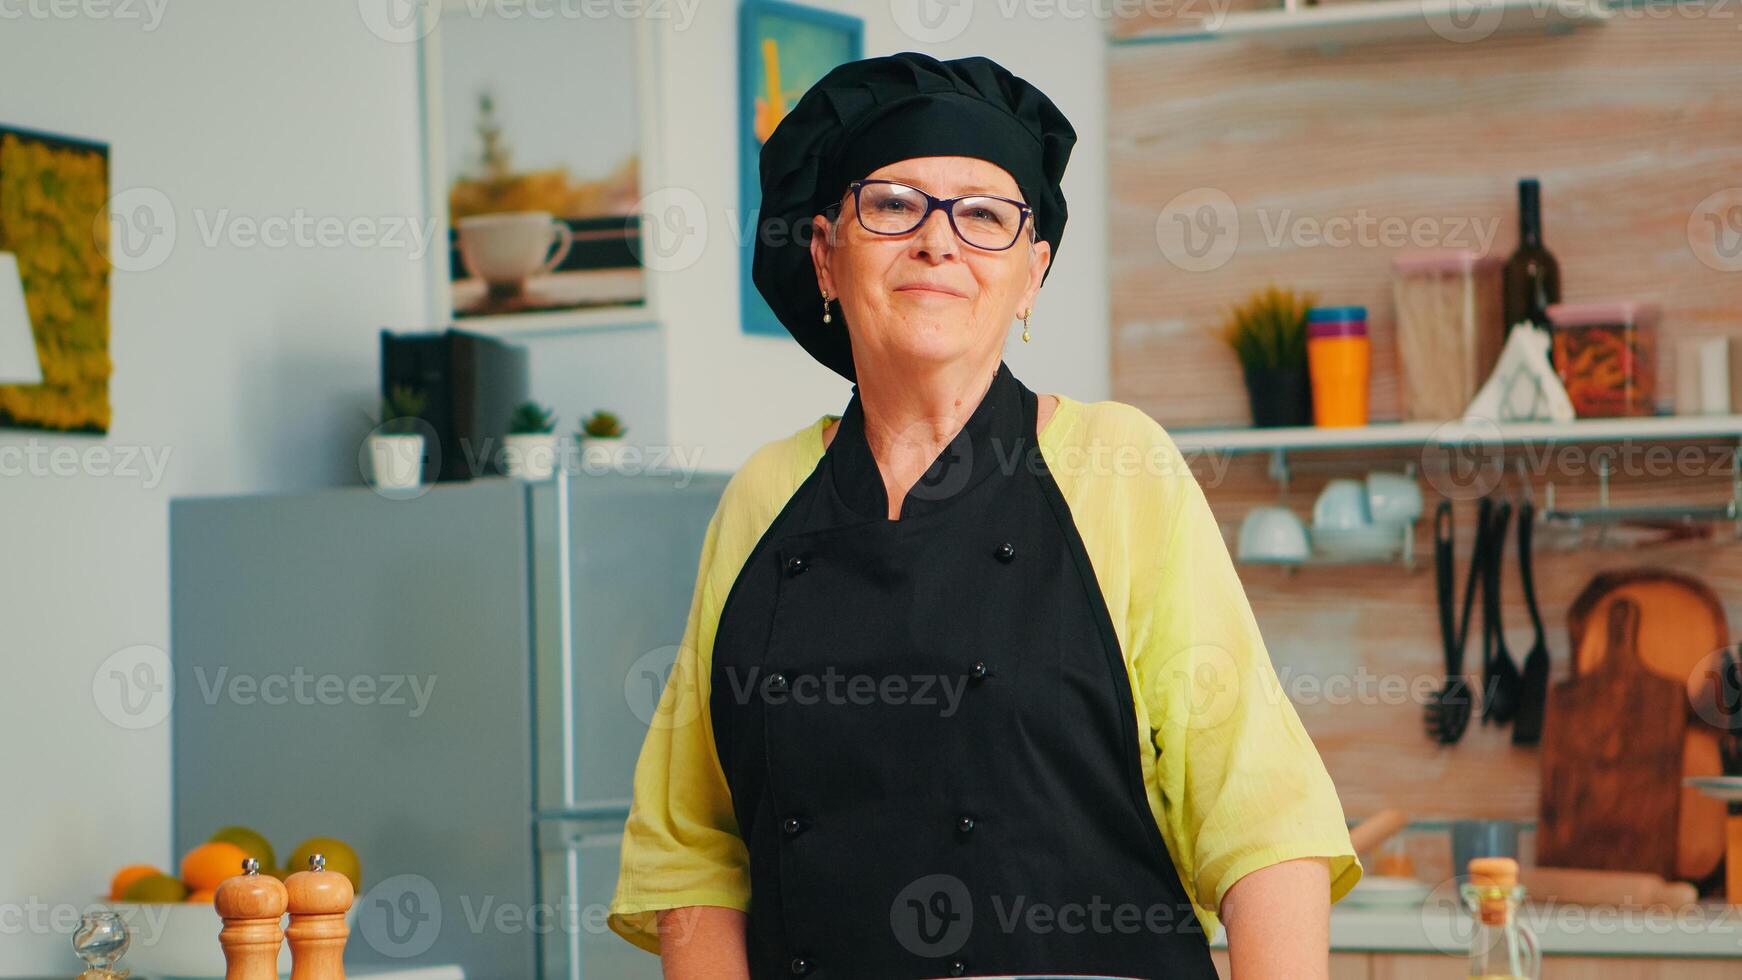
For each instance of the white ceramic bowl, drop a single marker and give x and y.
(1342, 506)
(1392, 498)
(1272, 534)
(172, 940)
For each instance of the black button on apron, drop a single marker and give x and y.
(778, 683)
(792, 825)
(1056, 818)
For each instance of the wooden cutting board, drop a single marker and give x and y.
(1681, 622)
(1611, 760)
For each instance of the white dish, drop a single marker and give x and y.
(1375, 891)
(1726, 788)
(1373, 542)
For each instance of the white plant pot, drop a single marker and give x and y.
(602, 454)
(531, 455)
(396, 460)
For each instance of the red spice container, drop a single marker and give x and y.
(1606, 356)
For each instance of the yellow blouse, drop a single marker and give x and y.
(1233, 778)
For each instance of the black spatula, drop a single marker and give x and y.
(1533, 684)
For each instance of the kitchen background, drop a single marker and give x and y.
(1626, 135)
(255, 370)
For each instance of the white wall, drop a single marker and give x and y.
(251, 368)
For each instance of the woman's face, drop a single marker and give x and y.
(927, 295)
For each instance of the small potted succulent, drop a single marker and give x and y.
(601, 439)
(396, 444)
(530, 449)
(1269, 334)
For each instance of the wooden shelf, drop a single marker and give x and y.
(1455, 433)
(1369, 21)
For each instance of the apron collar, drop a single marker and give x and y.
(997, 436)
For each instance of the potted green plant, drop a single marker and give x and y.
(396, 444)
(1269, 334)
(601, 439)
(530, 449)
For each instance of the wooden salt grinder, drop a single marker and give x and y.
(251, 905)
(319, 900)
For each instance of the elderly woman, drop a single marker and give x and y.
(969, 685)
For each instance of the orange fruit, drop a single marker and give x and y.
(127, 876)
(207, 865)
(205, 895)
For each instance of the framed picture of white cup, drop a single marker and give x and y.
(537, 134)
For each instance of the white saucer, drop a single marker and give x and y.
(1371, 542)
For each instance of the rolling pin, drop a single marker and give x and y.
(1377, 829)
(1580, 886)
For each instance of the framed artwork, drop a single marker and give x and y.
(783, 49)
(538, 136)
(54, 222)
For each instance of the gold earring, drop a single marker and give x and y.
(827, 316)
(1025, 314)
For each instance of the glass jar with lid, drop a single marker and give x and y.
(1606, 356)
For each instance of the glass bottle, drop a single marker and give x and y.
(1501, 947)
(1531, 280)
(100, 940)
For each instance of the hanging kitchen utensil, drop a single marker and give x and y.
(1611, 761)
(1447, 713)
(1500, 677)
(1533, 682)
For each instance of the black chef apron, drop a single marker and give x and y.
(928, 731)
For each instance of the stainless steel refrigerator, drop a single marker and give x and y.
(456, 685)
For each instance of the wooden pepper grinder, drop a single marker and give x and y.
(319, 900)
(251, 905)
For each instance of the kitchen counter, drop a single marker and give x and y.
(1709, 930)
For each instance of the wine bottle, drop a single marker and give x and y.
(1532, 279)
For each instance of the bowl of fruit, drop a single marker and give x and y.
(172, 924)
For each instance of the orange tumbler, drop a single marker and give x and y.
(1340, 361)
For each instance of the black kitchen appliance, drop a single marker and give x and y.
(471, 384)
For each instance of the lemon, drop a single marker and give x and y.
(340, 857)
(252, 843)
(155, 888)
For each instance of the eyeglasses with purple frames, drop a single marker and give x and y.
(984, 221)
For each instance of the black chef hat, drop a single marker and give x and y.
(868, 114)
